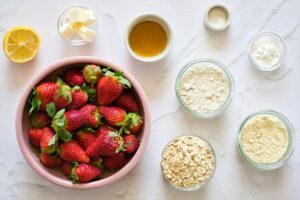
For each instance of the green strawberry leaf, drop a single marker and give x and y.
(73, 175)
(53, 140)
(34, 101)
(113, 134)
(120, 147)
(60, 82)
(64, 135)
(51, 109)
(88, 129)
(106, 69)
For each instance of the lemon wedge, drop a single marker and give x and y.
(21, 44)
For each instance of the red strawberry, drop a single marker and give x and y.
(42, 95)
(131, 143)
(105, 128)
(127, 101)
(62, 96)
(73, 77)
(39, 120)
(79, 98)
(72, 152)
(114, 116)
(66, 168)
(115, 162)
(85, 137)
(50, 160)
(134, 123)
(110, 86)
(65, 122)
(106, 144)
(84, 173)
(91, 73)
(93, 118)
(48, 141)
(34, 136)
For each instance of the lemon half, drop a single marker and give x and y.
(21, 44)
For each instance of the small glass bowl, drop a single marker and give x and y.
(279, 41)
(212, 113)
(76, 39)
(286, 155)
(201, 184)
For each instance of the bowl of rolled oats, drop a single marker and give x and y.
(188, 162)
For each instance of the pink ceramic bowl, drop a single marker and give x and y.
(23, 124)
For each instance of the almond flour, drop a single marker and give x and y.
(188, 161)
(264, 139)
(204, 87)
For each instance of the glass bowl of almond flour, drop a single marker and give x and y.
(204, 88)
(265, 140)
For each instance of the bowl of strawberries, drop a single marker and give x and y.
(83, 123)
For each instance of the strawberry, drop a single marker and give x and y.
(104, 128)
(92, 116)
(84, 173)
(73, 77)
(50, 160)
(131, 143)
(127, 101)
(85, 137)
(48, 141)
(115, 162)
(65, 122)
(39, 120)
(110, 86)
(41, 96)
(34, 136)
(72, 152)
(91, 73)
(79, 98)
(108, 143)
(114, 116)
(134, 123)
(62, 96)
(92, 93)
(66, 168)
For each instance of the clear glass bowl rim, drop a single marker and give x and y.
(60, 22)
(201, 184)
(272, 35)
(290, 148)
(229, 98)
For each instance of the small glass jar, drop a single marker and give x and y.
(286, 155)
(214, 113)
(201, 184)
(279, 42)
(75, 39)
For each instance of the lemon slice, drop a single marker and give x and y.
(21, 44)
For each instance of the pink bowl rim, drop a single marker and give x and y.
(65, 183)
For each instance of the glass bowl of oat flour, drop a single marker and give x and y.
(204, 88)
(265, 140)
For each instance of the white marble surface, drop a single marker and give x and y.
(255, 90)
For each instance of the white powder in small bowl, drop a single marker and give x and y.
(204, 87)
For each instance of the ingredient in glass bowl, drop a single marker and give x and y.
(188, 161)
(21, 44)
(77, 23)
(148, 39)
(264, 139)
(266, 51)
(217, 18)
(204, 87)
